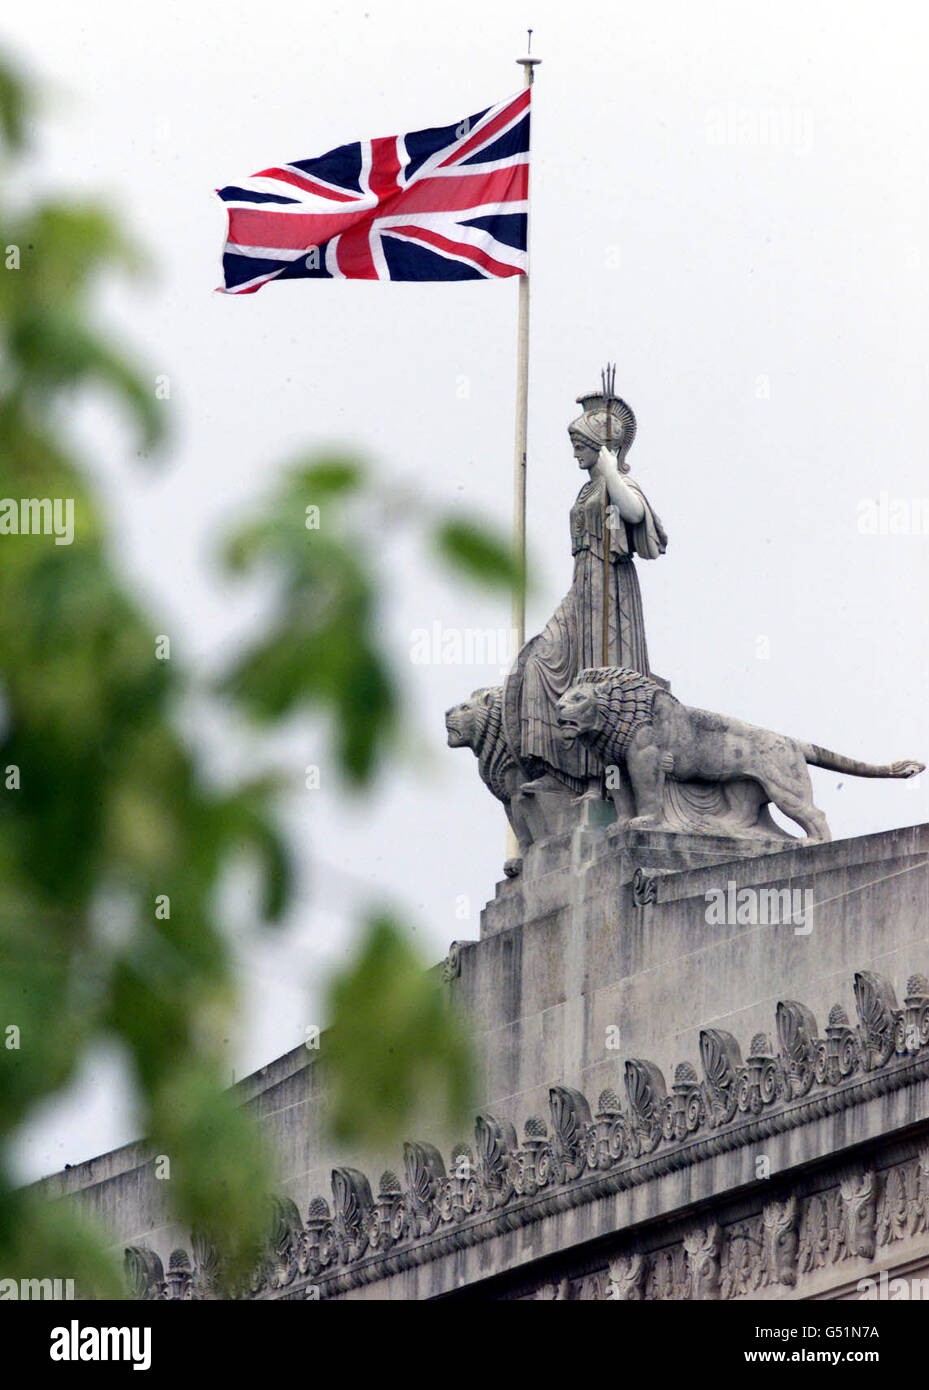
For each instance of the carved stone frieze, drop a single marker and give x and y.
(669, 1275)
(703, 1245)
(839, 1224)
(780, 1230)
(505, 1182)
(627, 1278)
(744, 1265)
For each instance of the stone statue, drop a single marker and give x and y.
(476, 724)
(571, 640)
(624, 717)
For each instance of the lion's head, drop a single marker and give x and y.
(603, 707)
(581, 710)
(466, 724)
(477, 723)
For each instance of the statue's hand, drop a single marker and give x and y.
(630, 504)
(606, 466)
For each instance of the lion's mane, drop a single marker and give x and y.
(625, 697)
(494, 759)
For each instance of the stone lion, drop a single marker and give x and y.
(477, 724)
(622, 716)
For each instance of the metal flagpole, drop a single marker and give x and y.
(608, 378)
(518, 621)
(528, 65)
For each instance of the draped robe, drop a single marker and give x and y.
(572, 637)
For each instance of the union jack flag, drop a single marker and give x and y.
(443, 204)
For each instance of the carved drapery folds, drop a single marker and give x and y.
(507, 1176)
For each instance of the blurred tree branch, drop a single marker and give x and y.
(104, 801)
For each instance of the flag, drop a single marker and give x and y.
(449, 203)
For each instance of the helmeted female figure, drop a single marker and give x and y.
(572, 639)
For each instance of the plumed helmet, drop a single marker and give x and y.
(591, 426)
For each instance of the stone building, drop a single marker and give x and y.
(704, 1044)
(672, 1108)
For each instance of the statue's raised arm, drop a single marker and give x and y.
(624, 496)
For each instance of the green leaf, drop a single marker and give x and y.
(395, 1053)
(326, 476)
(15, 106)
(477, 552)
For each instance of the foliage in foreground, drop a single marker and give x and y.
(113, 843)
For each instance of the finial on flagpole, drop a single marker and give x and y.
(528, 63)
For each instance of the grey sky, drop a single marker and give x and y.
(727, 200)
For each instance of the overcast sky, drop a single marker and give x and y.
(728, 200)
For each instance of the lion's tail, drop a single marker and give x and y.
(835, 762)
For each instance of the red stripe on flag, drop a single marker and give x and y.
(460, 248)
(498, 122)
(293, 232)
(385, 166)
(461, 192)
(297, 231)
(308, 185)
(353, 254)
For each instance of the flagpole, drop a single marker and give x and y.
(528, 66)
(518, 620)
(608, 379)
